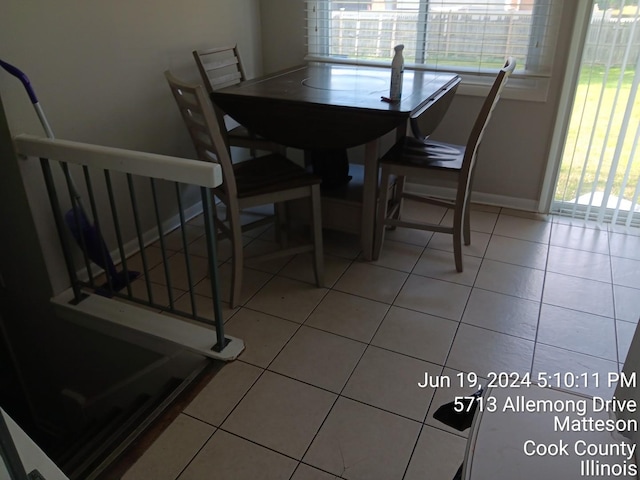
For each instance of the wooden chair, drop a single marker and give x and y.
(270, 179)
(221, 67)
(416, 158)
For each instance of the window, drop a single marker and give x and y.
(470, 37)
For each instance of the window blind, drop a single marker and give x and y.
(455, 35)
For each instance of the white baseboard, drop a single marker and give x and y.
(477, 197)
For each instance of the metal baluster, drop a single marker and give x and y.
(75, 208)
(136, 219)
(167, 272)
(209, 226)
(106, 256)
(116, 224)
(186, 252)
(78, 296)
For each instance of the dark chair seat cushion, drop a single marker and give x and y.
(428, 154)
(270, 173)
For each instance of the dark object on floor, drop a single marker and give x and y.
(331, 165)
(458, 475)
(459, 415)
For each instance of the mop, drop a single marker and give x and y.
(86, 235)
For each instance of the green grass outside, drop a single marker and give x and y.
(579, 150)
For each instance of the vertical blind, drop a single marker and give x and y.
(463, 36)
(599, 176)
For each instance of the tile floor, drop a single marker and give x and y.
(327, 385)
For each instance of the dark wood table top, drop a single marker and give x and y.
(325, 106)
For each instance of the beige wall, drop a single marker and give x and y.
(97, 68)
(515, 152)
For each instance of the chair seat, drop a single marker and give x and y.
(243, 132)
(270, 173)
(427, 154)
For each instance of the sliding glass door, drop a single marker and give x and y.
(600, 170)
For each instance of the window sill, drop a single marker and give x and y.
(519, 87)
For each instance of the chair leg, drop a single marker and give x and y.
(458, 227)
(383, 201)
(397, 196)
(467, 221)
(316, 220)
(237, 257)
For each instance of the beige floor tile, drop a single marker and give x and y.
(305, 472)
(627, 303)
(398, 255)
(259, 247)
(233, 458)
(159, 292)
(581, 238)
(340, 244)
(517, 252)
(578, 331)
(252, 282)
(502, 313)
(220, 396)
(359, 442)
(453, 384)
(301, 268)
(153, 257)
(435, 297)
(223, 253)
(626, 272)
(578, 294)
(479, 221)
(172, 451)
(568, 261)
(416, 334)
(441, 265)
(438, 455)
(510, 279)
(389, 381)
(174, 240)
(371, 281)
(281, 414)
(423, 212)
(348, 315)
(204, 307)
(477, 248)
(288, 299)
(264, 335)
(552, 360)
(523, 228)
(178, 271)
(411, 236)
(319, 358)
(482, 351)
(626, 246)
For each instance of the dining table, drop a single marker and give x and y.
(325, 107)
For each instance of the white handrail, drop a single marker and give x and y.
(182, 170)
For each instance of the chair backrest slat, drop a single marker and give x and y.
(219, 67)
(203, 122)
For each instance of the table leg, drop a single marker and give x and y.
(369, 198)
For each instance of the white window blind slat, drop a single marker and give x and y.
(472, 36)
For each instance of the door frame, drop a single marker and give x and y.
(565, 105)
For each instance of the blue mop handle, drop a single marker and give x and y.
(20, 75)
